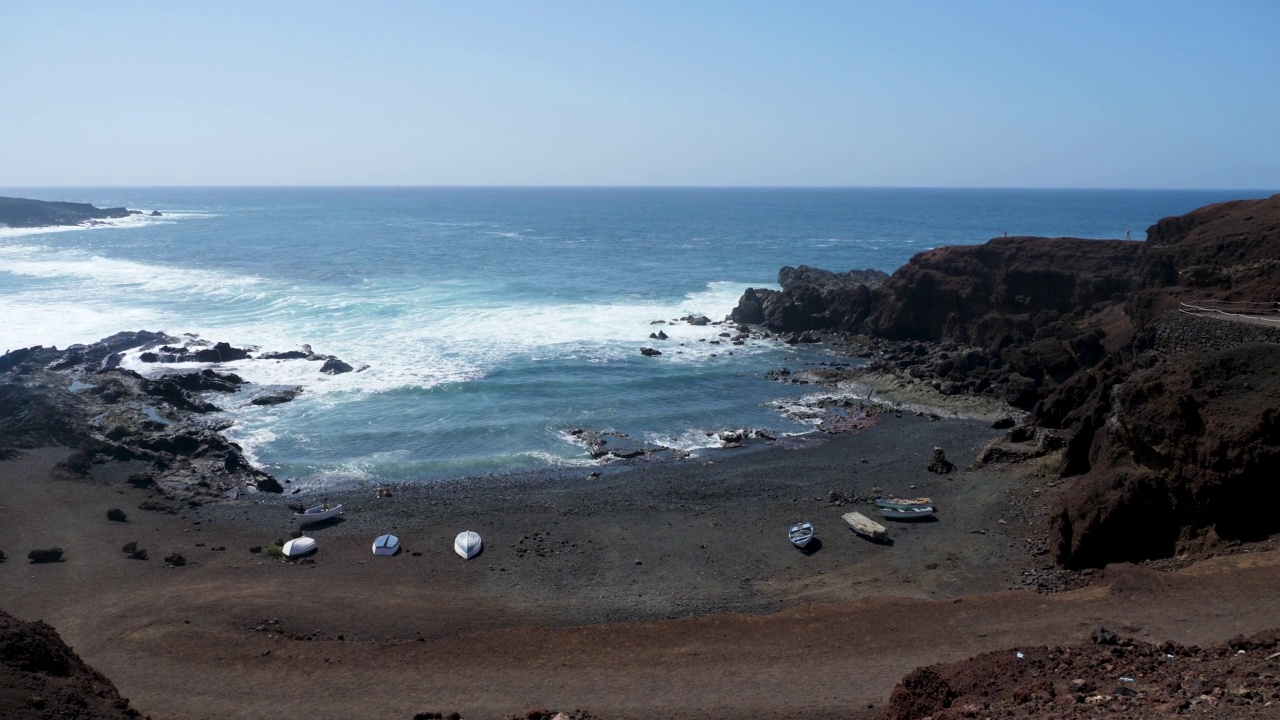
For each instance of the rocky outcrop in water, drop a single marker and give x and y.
(160, 427)
(24, 213)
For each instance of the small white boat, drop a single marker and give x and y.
(903, 503)
(317, 514)
(386, 545)
(915, 513)
(866, 527)
(467, 544)
(800, 534)
(298, 547)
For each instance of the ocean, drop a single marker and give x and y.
(493, 320)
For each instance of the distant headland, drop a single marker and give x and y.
(24, 213)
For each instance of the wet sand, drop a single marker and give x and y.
(662, 591)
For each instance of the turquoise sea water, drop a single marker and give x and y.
(493, 320)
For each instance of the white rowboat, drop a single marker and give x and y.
(298, 547)
(386, 545)
(467, 544)
(317, 514)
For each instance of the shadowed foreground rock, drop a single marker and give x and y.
(40, 677)
(1118, 678)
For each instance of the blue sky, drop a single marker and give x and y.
(956, 94)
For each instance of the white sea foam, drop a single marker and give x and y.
(409, 335)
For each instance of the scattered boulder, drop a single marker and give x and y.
(1003, 423)
(699, 320)
(221, 352)
(117, 515)
(156, 213)
(276, 397)
(1103, 636)
(334, 366)
(50, 555)
(2, 557)
(650, 352)
(658, 336)
(939, 463)
(286, 355)
(175, 560)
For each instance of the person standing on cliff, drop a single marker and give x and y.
(1126, 233)
(1006, 233)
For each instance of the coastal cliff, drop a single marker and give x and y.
(24, 213)
(1168, 419)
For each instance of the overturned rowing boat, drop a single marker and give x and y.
(386, 545)
(467, 544)
(298, 547)
(866, 527)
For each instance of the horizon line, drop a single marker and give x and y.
(321, 186)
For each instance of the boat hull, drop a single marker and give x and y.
(903, 504)
(907, 514)
(386, 545)
(299, 547)
(467, 545)
(800, 534)
(866, 527)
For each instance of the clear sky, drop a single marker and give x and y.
(1022, 93)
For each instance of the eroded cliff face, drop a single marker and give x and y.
(1176, 436)
(1171, 420)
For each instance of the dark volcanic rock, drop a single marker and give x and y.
(938, 462)
(1181, 449)
(826, 280)
(117, 515)
(285, 355)
(650, 352)
(276, 397)
(41, 677)
(47, 555)
(206, 381)
(1122, 678)
(334, 366)
(220, 352)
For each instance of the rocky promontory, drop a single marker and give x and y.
(24, 213)
(1163, 411)
(162, 431)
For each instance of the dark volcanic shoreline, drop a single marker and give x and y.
(25, 213)
(1154, 364)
